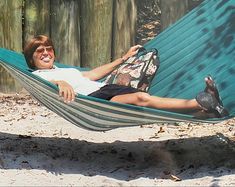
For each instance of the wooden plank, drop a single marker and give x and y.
(171, 11)
(96, 32)
(11, 24)
(10, 38)
(65, 30)
(124, 26)
(36, 18)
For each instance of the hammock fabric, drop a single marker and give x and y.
(201, 43)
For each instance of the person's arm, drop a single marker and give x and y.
(100, 72)
(65, 90)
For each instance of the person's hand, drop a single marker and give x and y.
(65, 90)
(132, 51)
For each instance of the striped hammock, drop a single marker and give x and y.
(201, 43)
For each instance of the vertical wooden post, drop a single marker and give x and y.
(65, 30)
(124, 26)
(171, 11)
(96, 32)
(10, 37)
(36, 18)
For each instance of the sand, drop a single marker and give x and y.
(39, 148)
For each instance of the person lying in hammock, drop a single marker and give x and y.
(40, 55)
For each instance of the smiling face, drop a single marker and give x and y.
(43, 57)
(39, 52)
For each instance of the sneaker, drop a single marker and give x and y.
(210, 100)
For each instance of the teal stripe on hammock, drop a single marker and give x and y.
(115, 113)
(130, 113)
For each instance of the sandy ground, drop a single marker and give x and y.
(39, 148)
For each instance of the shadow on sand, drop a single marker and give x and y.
(119, 160)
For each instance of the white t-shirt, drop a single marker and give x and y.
(72, 76)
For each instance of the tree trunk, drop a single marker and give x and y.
(10, 38)
(65, 30)
(124, 26)
(36, 18)
(171, 11)
(96, 32)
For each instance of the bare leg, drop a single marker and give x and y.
(144, 99)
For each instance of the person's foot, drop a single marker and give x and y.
(212, 89)
(210, 100)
